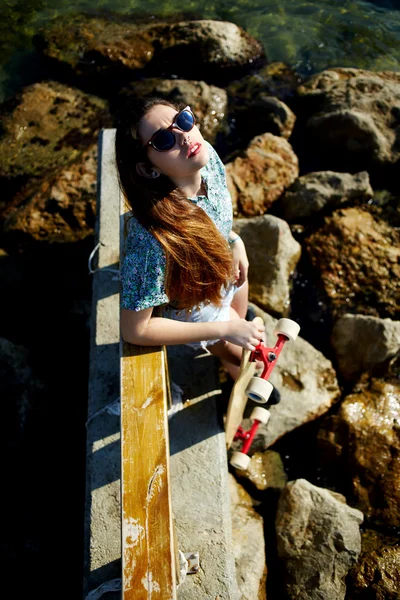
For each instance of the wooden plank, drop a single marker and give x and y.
(147, 531)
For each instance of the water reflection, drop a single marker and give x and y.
(308, 36)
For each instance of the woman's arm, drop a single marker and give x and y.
(138, 327)
(240, 260)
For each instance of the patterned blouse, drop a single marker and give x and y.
(143, 268)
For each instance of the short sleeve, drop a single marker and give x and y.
(143, 271)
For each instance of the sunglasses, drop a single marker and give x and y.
(164, 139)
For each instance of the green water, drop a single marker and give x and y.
(308, 36)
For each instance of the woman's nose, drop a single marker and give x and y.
(184, 138)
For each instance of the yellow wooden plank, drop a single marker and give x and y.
(147, 535)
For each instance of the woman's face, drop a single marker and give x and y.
(189, 153)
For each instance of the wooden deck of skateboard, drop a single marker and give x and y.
(238, 398)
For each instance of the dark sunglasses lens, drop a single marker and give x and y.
(164, 140)
(185, 120)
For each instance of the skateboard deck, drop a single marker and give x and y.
(238, 398)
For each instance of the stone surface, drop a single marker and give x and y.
(64, 207)
(377, 575)
(264, 114)
(267, 90)
(364, 437)
(363, 343)
(261, 173)
(199, 477)
(265, 471)
(47, 127)
(273, 255)
(248, 544)
(102, 534)
(100, 47)
(357, 257)
(313, 192)
(353, 119)
(306, 381)
(208, 102)
(318, 541)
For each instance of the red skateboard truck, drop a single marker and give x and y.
(259, 389)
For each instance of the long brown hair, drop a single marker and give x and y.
(199, 262)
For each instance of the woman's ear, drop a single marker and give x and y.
(145, 170)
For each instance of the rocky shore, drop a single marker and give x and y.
(313, 168)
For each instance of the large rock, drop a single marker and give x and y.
(248, 544)
(273, 255)
(364, 343)
(363, 439)
(377, 574)
(257, 103)
(306, 381)
(265, 471)
(357, 257)
(45, 128)
(353, 120)
(64, 208)
(260, 174)
(318, 540)
(103, 48)
(313, 192)
(208, 102)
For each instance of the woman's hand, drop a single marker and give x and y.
(246, 334)
(240, 261)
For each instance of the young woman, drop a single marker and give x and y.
(184, 276)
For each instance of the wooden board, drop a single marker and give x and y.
(148, 552)
(238, 398)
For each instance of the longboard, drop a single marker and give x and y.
(238, 398)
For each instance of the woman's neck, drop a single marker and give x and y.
(191, 186)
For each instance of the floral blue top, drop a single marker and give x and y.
(143, 268)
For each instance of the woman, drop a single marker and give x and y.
(181, 254)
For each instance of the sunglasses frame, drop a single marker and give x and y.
(170, 128)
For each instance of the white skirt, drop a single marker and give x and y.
(205, 313)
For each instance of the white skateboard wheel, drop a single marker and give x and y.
(259, 390)
(240, 461)
(288, 328)
(260, 414)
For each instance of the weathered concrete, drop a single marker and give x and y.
(102, 509)
(199, 471)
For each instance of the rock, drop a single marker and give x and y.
(365, 434)
(209, 103)
(248, 544)
(357, 258)
(374, 546)
(363, 343)
(20, 390)
(257, 103)
(377, 574)
(306, 381)
(318, 540)
(271, 246)
(63, 209)
(45, 128)
(261, 173)
(353, 120)
(103, 48)
(265, 471)
(274, 79)
(264, 114)
(313, 192)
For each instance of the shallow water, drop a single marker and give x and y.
(307, 35)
